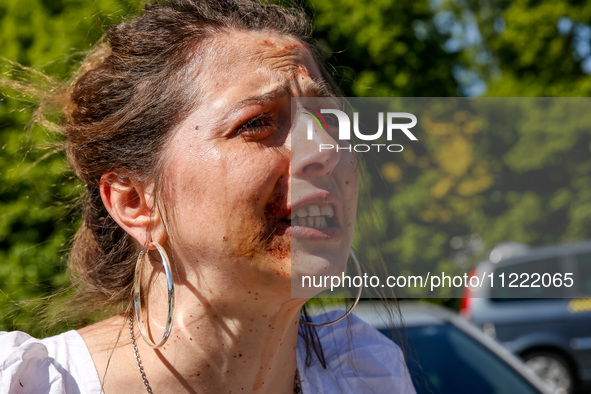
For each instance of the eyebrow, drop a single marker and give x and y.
(318, 88)
(260, 99)
(263, 98)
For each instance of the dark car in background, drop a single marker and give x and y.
(547, 324)
(447, 355)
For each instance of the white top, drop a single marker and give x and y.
(56, 365)
(371, 363)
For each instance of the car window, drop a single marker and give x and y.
(530, 279)
(583, 279)
(443, 360)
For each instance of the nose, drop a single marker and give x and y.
(314, 152)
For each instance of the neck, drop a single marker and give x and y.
(225, 338)
(246, 344)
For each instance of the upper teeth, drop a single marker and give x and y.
(313, 210)
(312, 216)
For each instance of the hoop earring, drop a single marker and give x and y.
(348, 312)
(137, 297)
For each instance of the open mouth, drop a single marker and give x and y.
(313, 216)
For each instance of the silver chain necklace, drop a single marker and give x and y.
(137, 356)
(297, 383)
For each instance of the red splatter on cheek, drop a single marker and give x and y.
(276, 213)
(272, 209)
(19, 382)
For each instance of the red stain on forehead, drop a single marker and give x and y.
(304, 71)
(278, 47)
(290, 48)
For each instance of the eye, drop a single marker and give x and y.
(254, 124)
(331, 121)
(258, 127)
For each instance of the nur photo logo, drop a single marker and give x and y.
(388, 122)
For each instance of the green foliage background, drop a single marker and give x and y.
(464, 185)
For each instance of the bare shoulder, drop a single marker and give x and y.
(106, 334)
(110, 347)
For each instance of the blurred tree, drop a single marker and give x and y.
(537, 49)
(37, 192)
(525, 47)
(440, 203)
(468, 186)
(394, 49)
(385, 48)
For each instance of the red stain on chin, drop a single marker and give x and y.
(279, 252)
(277, 208)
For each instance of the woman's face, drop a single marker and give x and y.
(239, 167)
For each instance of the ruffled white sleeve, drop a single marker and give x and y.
(56, 365)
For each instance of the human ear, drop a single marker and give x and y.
(131, 204)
